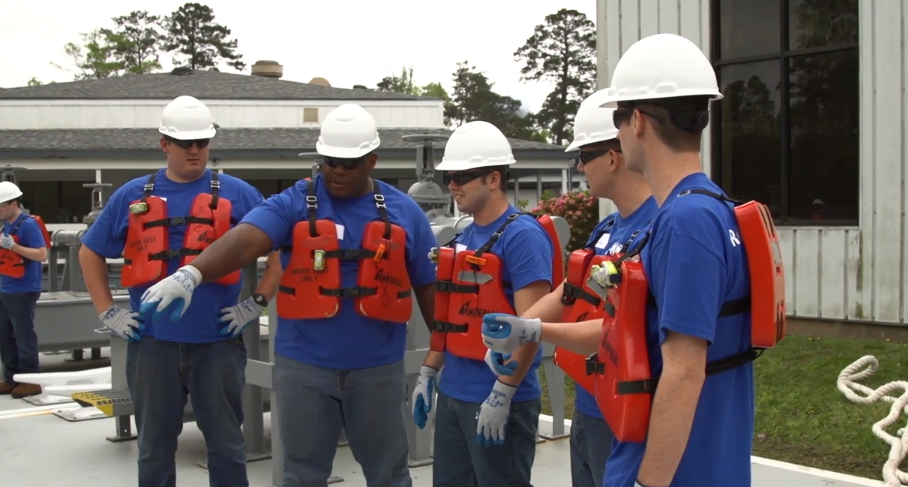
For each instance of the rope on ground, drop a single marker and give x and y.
(847, 383)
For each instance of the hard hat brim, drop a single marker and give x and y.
(194, 135)
(595, 139)
(343, 152)
(613, 102)
(10, 198)
(465, 165)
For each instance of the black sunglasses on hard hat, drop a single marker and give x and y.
(348, 163)
(186, 144)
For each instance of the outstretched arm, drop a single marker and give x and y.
(238, 248)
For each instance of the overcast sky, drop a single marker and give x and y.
(345, 41)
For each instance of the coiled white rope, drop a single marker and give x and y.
(848, 384)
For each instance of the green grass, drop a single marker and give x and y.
(802, 417)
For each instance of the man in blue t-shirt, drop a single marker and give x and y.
(701, 427)
(22, 250)
(354, 250)
(601, 160)
(154, 222)
(486, 424)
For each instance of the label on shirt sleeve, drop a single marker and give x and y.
(340, 231)
(459, 248)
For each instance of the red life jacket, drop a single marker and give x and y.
(580, 304)
(470, 284)
(624, 384)
(13, 264)
(147, 249)
(311, 286)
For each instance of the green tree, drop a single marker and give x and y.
(136, 41)
(94, 59)
(192, 32)
(562, 50)
(474, 99)
(35, 81)
(402, 83)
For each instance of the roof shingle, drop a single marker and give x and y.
(131, 139)
(205, 85)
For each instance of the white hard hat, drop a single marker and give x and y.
(9, 191)
(593, 123)
(348, 132)
(662, 66)
(186, 118)
(476, 144)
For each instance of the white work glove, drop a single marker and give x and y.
(126, 324)
(175, 289)
(237, 318)
(422, 395)
(496, 362)
(506, 333)
(7, 241)
(492, 417)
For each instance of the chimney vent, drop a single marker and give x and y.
(319, 82)
(267, 69)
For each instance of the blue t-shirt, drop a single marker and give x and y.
(30, 236)
(107, 238)
(525, 251)
(695, 263)
(618, 232)
(348, 340)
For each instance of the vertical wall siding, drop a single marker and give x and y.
(854, 274)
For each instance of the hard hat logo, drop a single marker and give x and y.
(348, 132)
(476, 144)
(659, 67)
(187, 118)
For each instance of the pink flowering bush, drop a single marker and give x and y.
(579, 208)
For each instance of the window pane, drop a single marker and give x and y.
(824, 158)
(748, 28)
(751, 147)
(818, 23)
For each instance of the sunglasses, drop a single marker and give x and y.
(186, 144)
(462, 178)
(619, 116)
(345, 162)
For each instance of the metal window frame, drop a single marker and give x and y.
(783, 57)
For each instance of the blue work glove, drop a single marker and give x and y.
(7, 241)
(505, 333)
(174, 290)
(492, 417)
(126, 324)
(237, 318)
(496, 362)
(422, 395)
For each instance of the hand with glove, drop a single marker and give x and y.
(506, 333)
(175, 289)
(492, 417)
(237, 318)
(422, 395)
(496, 362)
(7, 241)
(127, 324)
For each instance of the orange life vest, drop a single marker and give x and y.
(624, 385)
(580, 304)
(146, 254)
(311, 287)
(469, 284)
(13, 264)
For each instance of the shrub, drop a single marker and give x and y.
(579, 208)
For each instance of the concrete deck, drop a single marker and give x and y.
(44, 450)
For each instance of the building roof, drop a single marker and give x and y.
(205, 85)
(263, 142)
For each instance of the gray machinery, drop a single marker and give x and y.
(67, 309)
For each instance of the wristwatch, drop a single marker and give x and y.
(259, 299)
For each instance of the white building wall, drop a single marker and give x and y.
(88, 114)
(837, 273)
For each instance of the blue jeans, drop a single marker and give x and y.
(18, 340)
(591, 444)
(316, 403)
(460, 461)
(160, 374)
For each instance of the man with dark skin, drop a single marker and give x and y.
(338, 362)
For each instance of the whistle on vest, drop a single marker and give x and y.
(138, 208)
(433, 255)
(318, 260)
(603, 277)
